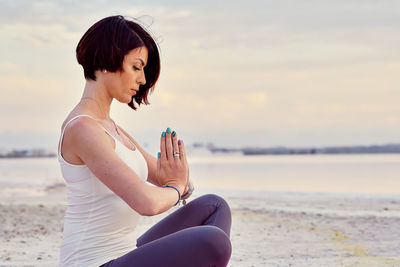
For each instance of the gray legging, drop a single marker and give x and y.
(197, 234)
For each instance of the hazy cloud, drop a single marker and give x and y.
(288, 72)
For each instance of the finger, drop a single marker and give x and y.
(158, 167)
(158, 161)
(188, 176)
(175, 144)
(162, 147)
(168, 144)
(182, 151)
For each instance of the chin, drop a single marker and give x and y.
(124, 100)
(128, 100)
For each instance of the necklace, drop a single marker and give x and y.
(101, 110)
(115, 126)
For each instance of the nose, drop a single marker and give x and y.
(142, 78)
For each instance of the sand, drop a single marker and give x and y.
(278, 229)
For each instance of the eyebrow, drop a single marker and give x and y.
(141, 60)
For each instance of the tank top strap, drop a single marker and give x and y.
(80, 115)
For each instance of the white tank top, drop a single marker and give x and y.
(98, 224)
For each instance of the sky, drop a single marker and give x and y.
(235, 73)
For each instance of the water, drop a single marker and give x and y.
(362, 173)
(235, 174)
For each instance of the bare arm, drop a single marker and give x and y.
(96, 150)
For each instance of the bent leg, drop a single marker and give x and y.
(196, 246)
(205, 210)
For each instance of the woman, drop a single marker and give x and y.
(106, 170)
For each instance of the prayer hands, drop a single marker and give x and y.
(172, 167)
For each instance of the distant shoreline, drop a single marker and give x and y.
(26, 153)
(247, 151)
(20, 157)
(372, 149)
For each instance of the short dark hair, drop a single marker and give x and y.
(105, 44)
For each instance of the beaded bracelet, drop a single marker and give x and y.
(179, 193)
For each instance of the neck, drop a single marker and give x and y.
(97, 94)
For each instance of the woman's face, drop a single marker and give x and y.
(123, 85)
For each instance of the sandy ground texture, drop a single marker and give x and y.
(280, 229)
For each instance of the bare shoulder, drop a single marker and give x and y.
(84, 137)
(86, 132)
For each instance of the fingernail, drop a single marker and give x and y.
(168, 130)
(159, 155)
(179, 142)
(173, 133)
(163, 134)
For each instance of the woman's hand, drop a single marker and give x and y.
(172, 169)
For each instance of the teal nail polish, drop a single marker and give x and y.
(168, 130)
(173, 133)
(163, 134)
(159, 155)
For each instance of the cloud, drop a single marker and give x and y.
(6, 67)
(256, 99)
(37, 34)
(283, 67)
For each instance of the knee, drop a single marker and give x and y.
(220, 203)
(217, 244)
(215, 199)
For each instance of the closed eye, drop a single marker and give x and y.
(136, 68)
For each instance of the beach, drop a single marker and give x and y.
(272, 229)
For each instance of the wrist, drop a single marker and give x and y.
(180, 188)
(177, 189)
